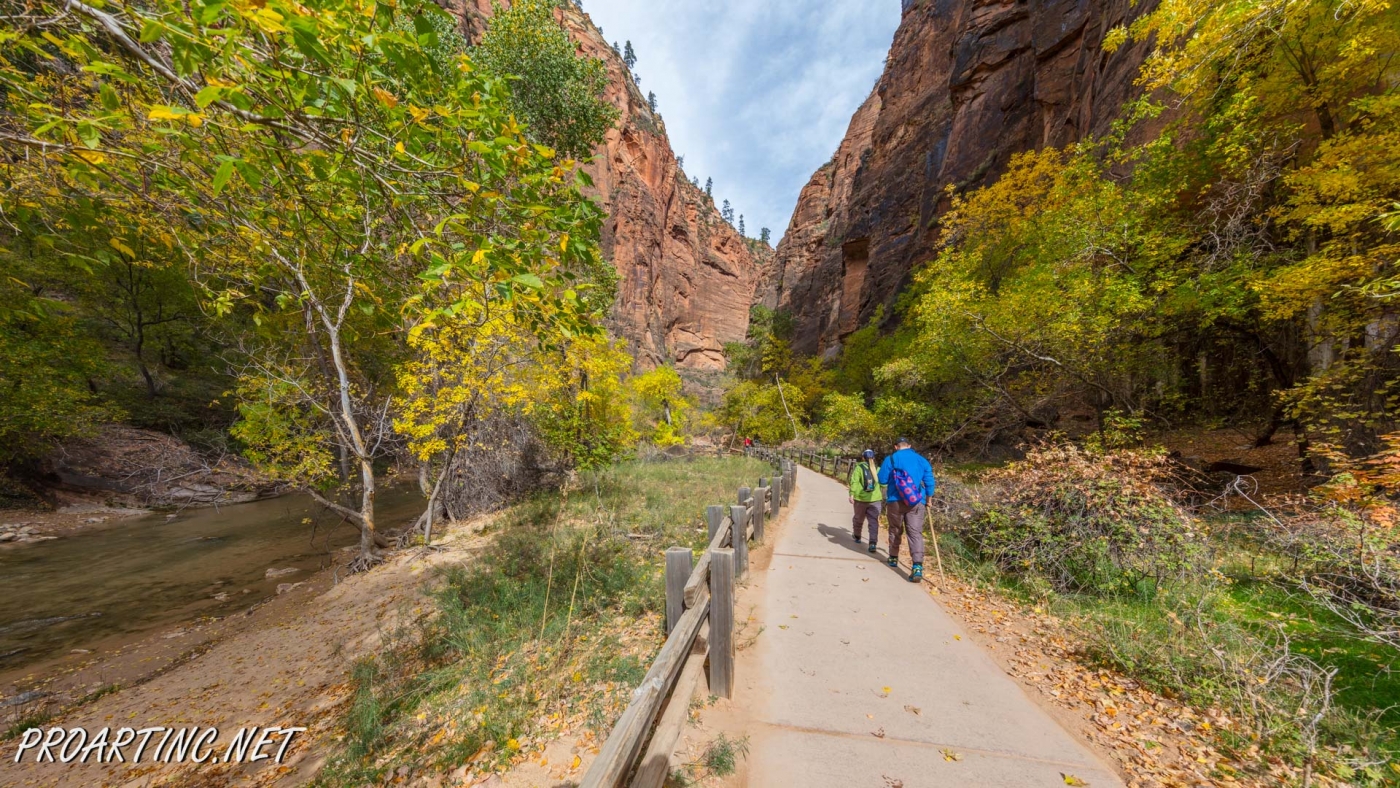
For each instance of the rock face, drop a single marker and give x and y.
(968, 83)
(686, 277)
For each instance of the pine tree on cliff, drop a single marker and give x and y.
(727, 212)
(742, 234)
(765, 235)
(629, 55)
(710, 188)
(651, 101)
(617, 49)
(695, 181)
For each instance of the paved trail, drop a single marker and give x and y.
(850, 650)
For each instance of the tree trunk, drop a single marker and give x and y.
(369, 537)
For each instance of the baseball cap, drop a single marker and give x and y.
(902, 440)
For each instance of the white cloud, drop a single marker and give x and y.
(755, 94)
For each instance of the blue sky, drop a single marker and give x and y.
(756, 93)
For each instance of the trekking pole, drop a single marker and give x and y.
(933, 532)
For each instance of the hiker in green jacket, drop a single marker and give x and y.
(867, 496)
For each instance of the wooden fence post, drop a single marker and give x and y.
(680, 562)
(745, 495)
(722, 622)
(740, 516)
(778, 485)
(759, 510)
(715, 516)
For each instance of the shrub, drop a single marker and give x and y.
(1099, 522)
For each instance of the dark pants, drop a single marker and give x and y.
(907, 519)
(867, 514)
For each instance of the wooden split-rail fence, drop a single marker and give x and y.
(700, 632)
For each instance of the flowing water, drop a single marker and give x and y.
(152, 572)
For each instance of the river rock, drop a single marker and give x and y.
(8, 537)
(283, 588)
(271, 573)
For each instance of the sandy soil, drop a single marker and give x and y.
(282, 664)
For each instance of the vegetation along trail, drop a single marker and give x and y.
(859, 678)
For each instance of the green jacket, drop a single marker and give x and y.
(857, 484)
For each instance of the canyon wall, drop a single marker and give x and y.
(686, 277)
(968, 83)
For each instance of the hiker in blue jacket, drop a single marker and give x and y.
(908, 478)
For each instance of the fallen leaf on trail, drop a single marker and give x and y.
(1072, 780)
(782, 626)
(957, 637)
(870, 716)
(949, 755)
(915, 710)
(891, 782)
(885, 692)
(880, 734)
(865, 580)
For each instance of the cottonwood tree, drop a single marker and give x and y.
(319, 168)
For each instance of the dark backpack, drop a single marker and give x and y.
(867, 479)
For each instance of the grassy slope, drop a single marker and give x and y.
(549, 631)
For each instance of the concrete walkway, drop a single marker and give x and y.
(861, 679)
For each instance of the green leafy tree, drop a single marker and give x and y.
(327, 176)
(47, 365)
(556, 93)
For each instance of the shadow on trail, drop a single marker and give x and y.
(841, 536)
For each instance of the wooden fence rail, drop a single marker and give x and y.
(699, 627)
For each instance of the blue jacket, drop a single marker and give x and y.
(911, 463)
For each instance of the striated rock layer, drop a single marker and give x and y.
(968, 83)
(687, 278)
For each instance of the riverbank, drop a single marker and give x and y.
(298, 659)
(79, 513)
(283, 662)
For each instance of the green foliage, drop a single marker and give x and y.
(46, 368)
(330, 175)
(558, 94)
(1095, 522)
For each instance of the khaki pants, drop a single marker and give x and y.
(866, 514)
(907, 519)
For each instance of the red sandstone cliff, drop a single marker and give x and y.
(967, 84)
(687, 279)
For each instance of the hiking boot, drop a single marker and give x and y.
(857, 540)
(917, 573)
(872, 548)
(894, 561)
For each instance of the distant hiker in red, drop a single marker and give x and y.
(748, 443)
(867, 496)
(908, 480)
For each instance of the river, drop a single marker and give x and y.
(151, 572)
